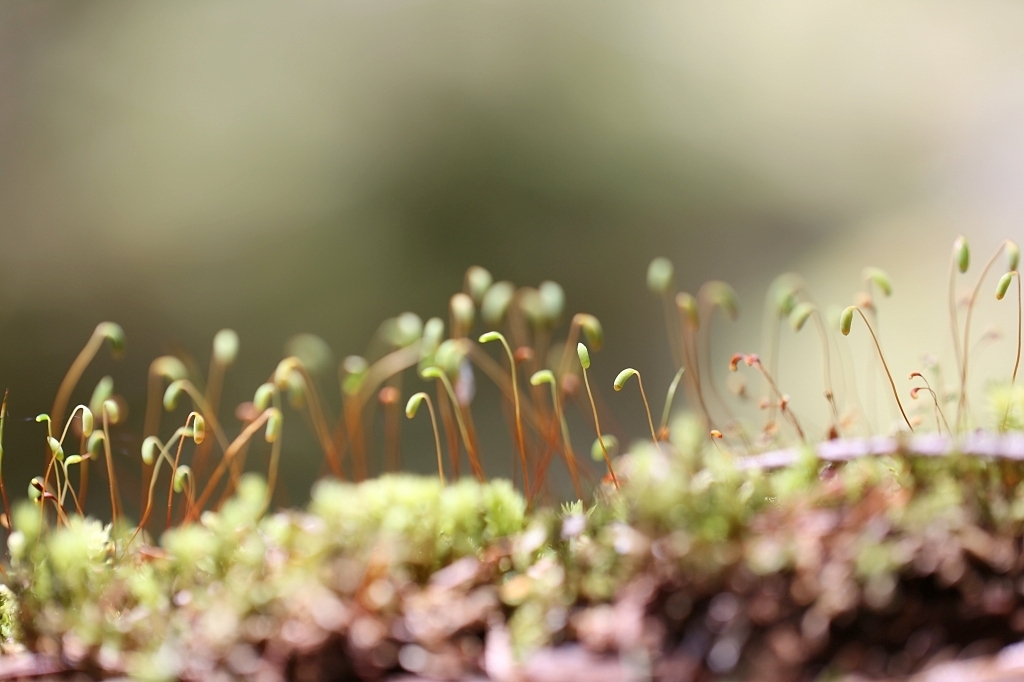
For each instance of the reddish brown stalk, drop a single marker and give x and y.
(275, 460)
(514, 371)
(570, 456)
(204, 409)
(212, 395)
(597, 427)
(174, 468)
(572, 336)
(147, 507)
(389, 398)
(203, 449)
(74, 373)
(782, 399)
(689, 324)
(316, 413)
(540, 473)
(556, 427)
(497, 374)
(154, 408)
(235, 473)
(450, 433)
(112, 482)
(935, 401)
(377, 373)
(83, 470)
(68, 487)
(339, 437)
(229, 455)
(443, 382)
(647, 410)
(354, 426)
(474, 440)
(433, 426)
(3, 488)
(885, 365)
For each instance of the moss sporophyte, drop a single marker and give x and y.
(721, 546)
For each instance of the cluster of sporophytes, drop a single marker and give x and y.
(708, 549)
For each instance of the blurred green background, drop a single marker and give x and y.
(319, 166)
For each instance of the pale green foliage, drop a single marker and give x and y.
(8, 614)
(706, 514)
(428, 524)
(74, 581)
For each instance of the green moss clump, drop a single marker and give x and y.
(373, 569)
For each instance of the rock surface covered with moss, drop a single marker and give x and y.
(696, 568)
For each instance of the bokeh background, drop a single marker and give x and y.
(317, 167)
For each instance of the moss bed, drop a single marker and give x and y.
(700, 567)
(705, 554)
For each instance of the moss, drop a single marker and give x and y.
(693, 555)
(244, 578)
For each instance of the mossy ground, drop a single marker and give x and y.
(695, 569)
(706, 554)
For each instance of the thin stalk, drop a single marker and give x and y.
(83, 470)
(706, 308)
(939, 415)
(500, 377)
(380, 371)
(962, 403)
(572, 336)
(450, 429)
(114, 504)
(953, 317)
(74, 373)
(474, 439)
(63, 490)
(433, 425)
(570, 456)
(204, 409)
(437, 440)
(162, 455)
(691, 358)
(174, 468)
(515, 395)
(620, 381)
(392, 431)
(275, 459)
(154, 409)
(3, 488)
(663, 427)
(316, 413)
(674, 342)
(885, 365)
(647, 409)
(235, 473)
(443, 378)
(827, 359)
(597, 426)
(1016, 363)
(49, 466)
(229, 455)
(783, 401)
(354, 426)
